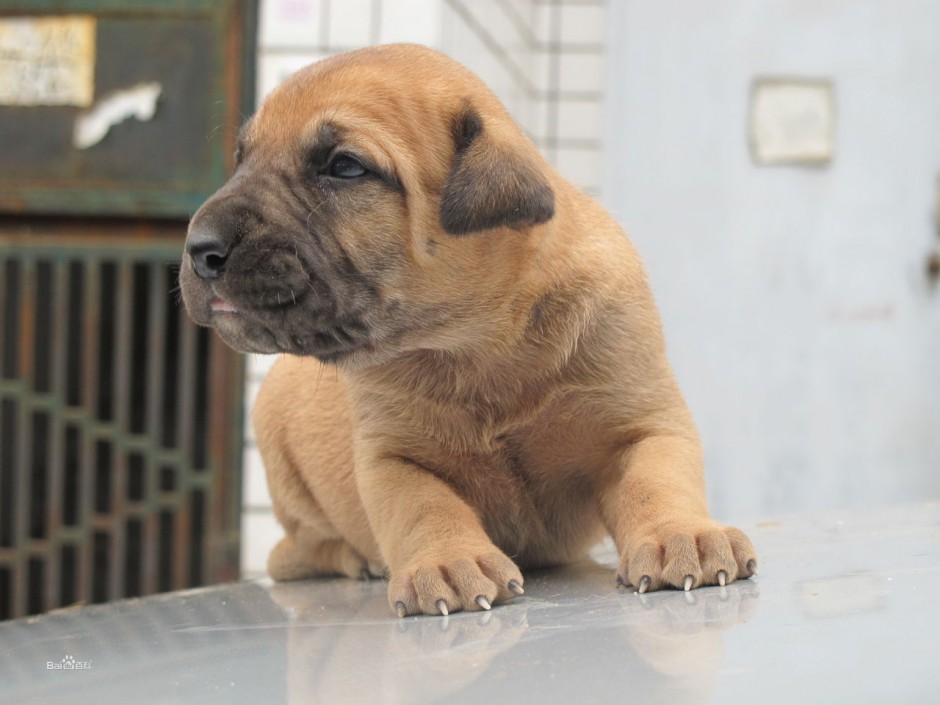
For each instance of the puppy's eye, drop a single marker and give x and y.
(346, 167)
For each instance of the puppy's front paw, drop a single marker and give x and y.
(452, 581)
(686, 555)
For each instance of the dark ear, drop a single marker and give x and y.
(491, 185)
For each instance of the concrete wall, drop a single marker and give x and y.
(801, 324)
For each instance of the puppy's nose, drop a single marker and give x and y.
(208, 251)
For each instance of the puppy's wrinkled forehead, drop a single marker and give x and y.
(316, 141)
(388, 101)
(355, 95)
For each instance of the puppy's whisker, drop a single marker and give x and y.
(300, 264)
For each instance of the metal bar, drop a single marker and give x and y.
(185, 407)
(139, 510)
(3, 311)
(101, 523)
(9, 472)
(223, 502)
(124, 8)
(123, 341)
(215, 502)
(23, 462)
(39, 548)
(71, 534)
(92, 333)
(92, 245)
(56, 467)
(153, 423)
(99, 430)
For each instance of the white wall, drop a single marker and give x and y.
(799, 319)
(545, 60)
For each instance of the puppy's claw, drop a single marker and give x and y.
(516, 587)
(442, 607)
(689, 580)
(752, 567)
(400, 609)
(621, 583)
(722, 578)
(483, 602)
(644, 584)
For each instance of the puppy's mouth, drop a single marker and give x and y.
(287, 325)
(220, 305)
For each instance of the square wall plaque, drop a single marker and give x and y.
(792, 121)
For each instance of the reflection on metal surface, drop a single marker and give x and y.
(669, 638)
(572, 638)
(333, 641)
(415, 660)
(842, 595)
(681, 636)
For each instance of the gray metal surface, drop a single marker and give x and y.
(846, 610)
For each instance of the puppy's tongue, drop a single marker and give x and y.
(222, 306)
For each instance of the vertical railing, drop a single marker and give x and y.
(119, 429)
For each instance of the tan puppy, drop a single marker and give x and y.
(475, 378)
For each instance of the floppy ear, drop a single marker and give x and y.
(491, 185)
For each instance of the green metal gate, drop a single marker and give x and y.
(120, 421)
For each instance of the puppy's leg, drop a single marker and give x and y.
(439, 556)
(305, 552)
(304, 435)
(657, 514)
(312, 546)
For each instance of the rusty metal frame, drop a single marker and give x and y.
(235, 22)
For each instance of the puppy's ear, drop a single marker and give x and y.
(491, 185)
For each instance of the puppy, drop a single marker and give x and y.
(474, 378)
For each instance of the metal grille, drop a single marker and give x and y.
(119, 427)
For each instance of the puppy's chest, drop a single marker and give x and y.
(525, 461)
(511, 494)
(530, 483)
(480, 455)
(532, 449)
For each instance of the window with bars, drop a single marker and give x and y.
(120, 422)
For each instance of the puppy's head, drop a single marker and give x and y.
(382, 201)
